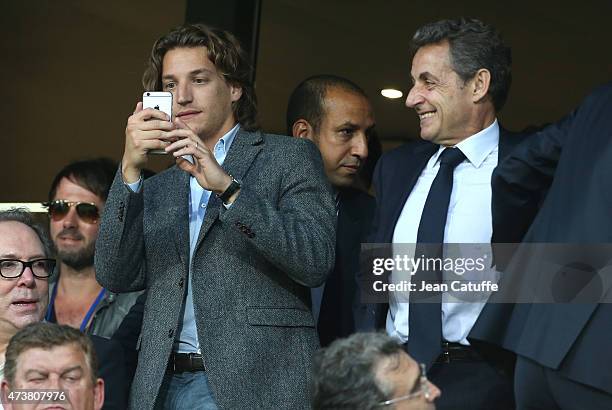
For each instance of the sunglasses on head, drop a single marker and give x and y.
(87, 211)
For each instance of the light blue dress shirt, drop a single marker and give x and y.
(187, 340)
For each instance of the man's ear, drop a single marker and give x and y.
(302, 129)
(4, 392)
(235, 92)
(98, 394)
(480, 85)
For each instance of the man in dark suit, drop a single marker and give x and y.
(438, 191)
(563, 350)
(337, 116)
(226, 243)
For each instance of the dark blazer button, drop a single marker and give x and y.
(170, 333)
(121, 209)
(238, 224)
(251, 235)
(181, 282)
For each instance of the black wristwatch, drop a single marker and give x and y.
(231, 190)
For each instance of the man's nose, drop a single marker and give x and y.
(183, 94)
(27, 278)
(70, 220)
(360, 146)
(54, 382)
(414, 97)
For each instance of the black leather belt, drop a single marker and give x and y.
(186, 362)
(456, 352)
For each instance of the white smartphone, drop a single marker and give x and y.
(160, 100)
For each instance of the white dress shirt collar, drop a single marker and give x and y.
(478, 146)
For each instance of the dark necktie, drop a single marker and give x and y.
(425, 322)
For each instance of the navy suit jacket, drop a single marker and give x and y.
(111, 368)
(394, 178)
(574, 159)
(341, 306)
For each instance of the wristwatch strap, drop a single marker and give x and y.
(231, 190)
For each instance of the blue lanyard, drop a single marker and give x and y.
(88, 315)
(91, 310)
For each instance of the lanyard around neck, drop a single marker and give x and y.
(88, 315)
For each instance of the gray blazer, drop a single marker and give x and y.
(251, 269)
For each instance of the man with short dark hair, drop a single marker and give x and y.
(370, 371)
(226, 243)
(337, 116)
(76, 202)
(438, 191)
(54, 359)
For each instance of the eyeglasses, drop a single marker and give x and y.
(423, 389)
(87, 211)
(14, 268)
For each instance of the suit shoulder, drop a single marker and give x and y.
(600, 97)
(285, 141)
(512, 136)
(406, 149)
(290, 148)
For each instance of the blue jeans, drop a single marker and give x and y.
(185, 391)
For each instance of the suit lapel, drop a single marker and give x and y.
(402, 181)
(178, 211)
(243, 151)
(504, 144)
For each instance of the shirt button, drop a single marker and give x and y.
(203, 205)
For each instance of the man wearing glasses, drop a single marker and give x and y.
(25, 268)
(76, 199)
(370, 371)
